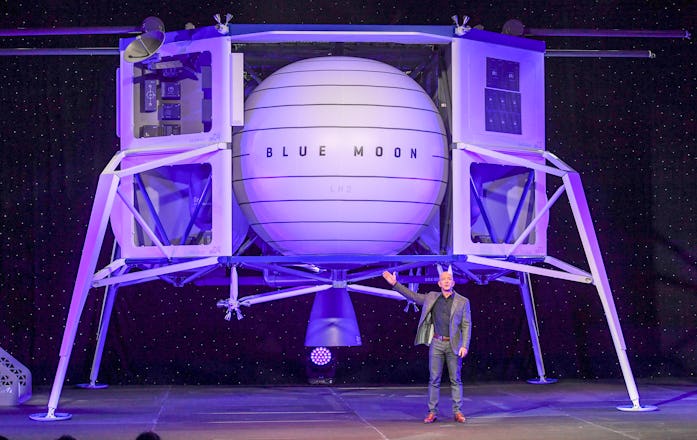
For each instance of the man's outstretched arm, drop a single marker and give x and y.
(391, 278)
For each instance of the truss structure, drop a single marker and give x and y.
(508, 251)
(479, 269)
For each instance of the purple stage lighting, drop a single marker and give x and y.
(341, 167)
(332, 321)
(321, 356)
(351, 146)
(320, 366)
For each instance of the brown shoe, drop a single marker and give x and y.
(430, 418)
(459, 418)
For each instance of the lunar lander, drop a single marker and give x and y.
(318, 156)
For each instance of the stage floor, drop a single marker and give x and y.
(507, 411)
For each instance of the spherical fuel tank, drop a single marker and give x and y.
(340, 155)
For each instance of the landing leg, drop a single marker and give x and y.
(105, 318)
(526, 295)
(99, 219)
(579, 207)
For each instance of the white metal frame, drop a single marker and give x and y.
(105, 197)
(116, 272)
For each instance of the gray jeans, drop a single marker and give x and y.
(439, 353)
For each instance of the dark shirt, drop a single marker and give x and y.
(441, 315)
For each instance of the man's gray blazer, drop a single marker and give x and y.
(460, 317)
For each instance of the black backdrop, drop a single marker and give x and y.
(627, 124)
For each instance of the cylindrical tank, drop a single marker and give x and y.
(339, 155)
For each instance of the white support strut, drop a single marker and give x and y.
(99, 219)
(579, 207)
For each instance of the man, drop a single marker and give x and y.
(445, 327)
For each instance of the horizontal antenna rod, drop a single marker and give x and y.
(562, 53)
(39, 32)
(614, 33)
(36, 51)
(149, 24)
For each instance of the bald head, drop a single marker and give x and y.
(446, 282)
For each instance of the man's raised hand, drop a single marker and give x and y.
(390, 277)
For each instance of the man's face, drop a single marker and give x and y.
(446, 282)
